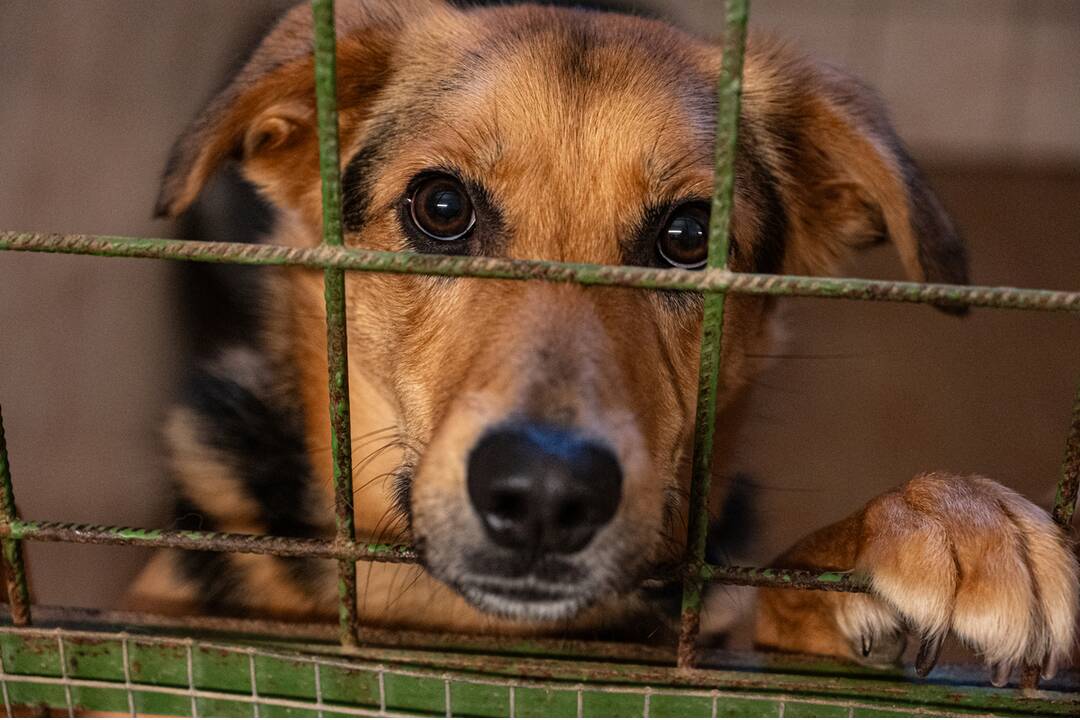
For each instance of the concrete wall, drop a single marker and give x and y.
(968, 80)
(92, 95)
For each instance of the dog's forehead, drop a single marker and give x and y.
(559, 77)
(566, 105)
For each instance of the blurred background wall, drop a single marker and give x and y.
(93, 93)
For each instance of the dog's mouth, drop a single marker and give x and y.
(535, 535)
(525, 598)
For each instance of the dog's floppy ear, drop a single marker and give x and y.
(265, 117)
(843, 176)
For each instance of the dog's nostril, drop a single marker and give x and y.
(541, 488)
(508, 506)
(571, 514)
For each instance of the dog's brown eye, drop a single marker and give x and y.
(440, 208)
(684, 242)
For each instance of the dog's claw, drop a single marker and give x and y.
(999, 674)
(867, 645)
(929, 651)
(1050, 668)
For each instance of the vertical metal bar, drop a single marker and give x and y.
(729, 92)
(1065, 501)
(336, 332)
(64, 674)
(126, 656)
(190, 656)
(1064, 507)
(14, 569)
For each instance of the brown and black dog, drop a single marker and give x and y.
(531, 439)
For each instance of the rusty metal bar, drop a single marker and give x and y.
(791, 579)
(14, 568)
(42, 531)
(729, 93)
(1065, 501)
(709, 280)
(337, 338)
(374, 637)
(737, 676)
(211, 541)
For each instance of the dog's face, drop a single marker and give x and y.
(551, 424)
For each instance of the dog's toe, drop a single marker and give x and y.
(963, 554)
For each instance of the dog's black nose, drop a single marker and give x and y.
(541, 488)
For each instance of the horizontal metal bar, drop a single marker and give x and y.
(367, 552)
(709, 280)
(400, 641)
(793, 579)
(209, 541)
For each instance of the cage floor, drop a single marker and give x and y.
(83, 667)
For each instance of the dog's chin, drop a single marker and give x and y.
(525, 600)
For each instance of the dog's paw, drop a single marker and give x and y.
(967, 555)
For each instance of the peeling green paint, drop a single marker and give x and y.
(708, 280)
(729, 93)
(337, 337)
(18, 592)
(229, 678)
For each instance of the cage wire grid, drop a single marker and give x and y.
(48, 667)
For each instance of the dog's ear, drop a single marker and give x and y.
(843, 177)
(265, 118)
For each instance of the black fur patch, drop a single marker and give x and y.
(575, 58)
(266, 445)
(219, 301)
(220, 585)
(942, 252)
(359, 176)
(732, 533)
(263, 443)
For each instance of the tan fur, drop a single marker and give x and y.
(943, 553)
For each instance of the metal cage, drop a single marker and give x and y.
(74, 661)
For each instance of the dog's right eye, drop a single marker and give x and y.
(684, 241)
(440, 208)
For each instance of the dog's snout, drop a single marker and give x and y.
(543, 489)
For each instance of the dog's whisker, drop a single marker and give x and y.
(357, 441)
(417, 573)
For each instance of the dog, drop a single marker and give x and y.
(531, 440)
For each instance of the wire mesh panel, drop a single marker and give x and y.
(368, 673)
(80, 671)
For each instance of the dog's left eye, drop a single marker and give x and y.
(684, 241)
(440, 208)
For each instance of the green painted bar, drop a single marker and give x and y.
(14, 567)
(775, 577)
(710, 280)
(209, 541)
(1065, 500)
(352, 552)
(337, 339)
(729, 91)
(224, 671)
